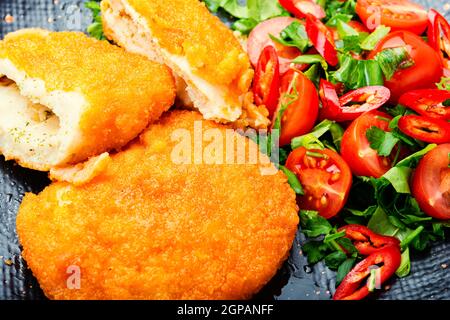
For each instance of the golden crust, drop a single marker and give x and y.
(147, 228)
(187, 28)
(125, 91)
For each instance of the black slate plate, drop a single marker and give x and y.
(429, 279)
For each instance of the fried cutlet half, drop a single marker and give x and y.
(65, 97)
(213, 70)
(153, 225)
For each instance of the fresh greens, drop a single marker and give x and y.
(95, 29)
(339, 11)
(372, 40)
(356, 73)
(293, 35)
(249, 14)
(293, 180)
(312, 139)
(382, 141)
(444, 84)
(392, 59)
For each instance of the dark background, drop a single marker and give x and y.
(429, 279)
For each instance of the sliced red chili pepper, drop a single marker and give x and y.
(353, 104)
(425, 129)
(437, 24)
(322, 39)
(386, 260)
(366, 241)
(428, 102)
(266, 86)
(300, 8)
(330, 100)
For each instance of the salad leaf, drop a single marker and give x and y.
(294, 35)
(381, 141)
(372, 40)
(339, 10)
(314, 225)
(413, 160)
(444, 84)
(405, 265)
(248, 14)
(392, 59)
(315, 251)
(311, 140)
(358, 73)
(313, 74)
(95, 29)
(344, 269)
(398, 177)
(311, 59)
(335, 259)
(293, 180)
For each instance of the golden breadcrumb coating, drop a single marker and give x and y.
(124, 91)
(186, 27)
(147, 228)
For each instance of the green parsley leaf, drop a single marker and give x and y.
(314, 225)
(315, 251)
(339, 10)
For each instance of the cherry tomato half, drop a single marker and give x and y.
(425, 129)
(266, 85)
(259, 38)
(427, 68)
(325, 177)
(356, 102)
(356, 150)
(431, 183)
(437, 24)
(352, 286)
(322, 39)
(428, 102)
(300, 8)
(299, 94)
(397, 14)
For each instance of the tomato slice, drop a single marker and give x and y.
(259, 38)
(356, 102)
(425, 129)
(428, 102)
(325, 177)
(266, 85)
(353, 287)
(427, 68)
(397, 14)
(300, 8)
(437, 24)
(431, 183)
(356, 150)
(299, 94)
(322, 39)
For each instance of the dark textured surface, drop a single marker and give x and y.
(429, 278)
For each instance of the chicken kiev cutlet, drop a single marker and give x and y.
(212, 68)
(156, 225)
(65, 97)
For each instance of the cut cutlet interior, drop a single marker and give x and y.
(130, 30)
(36, 126)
